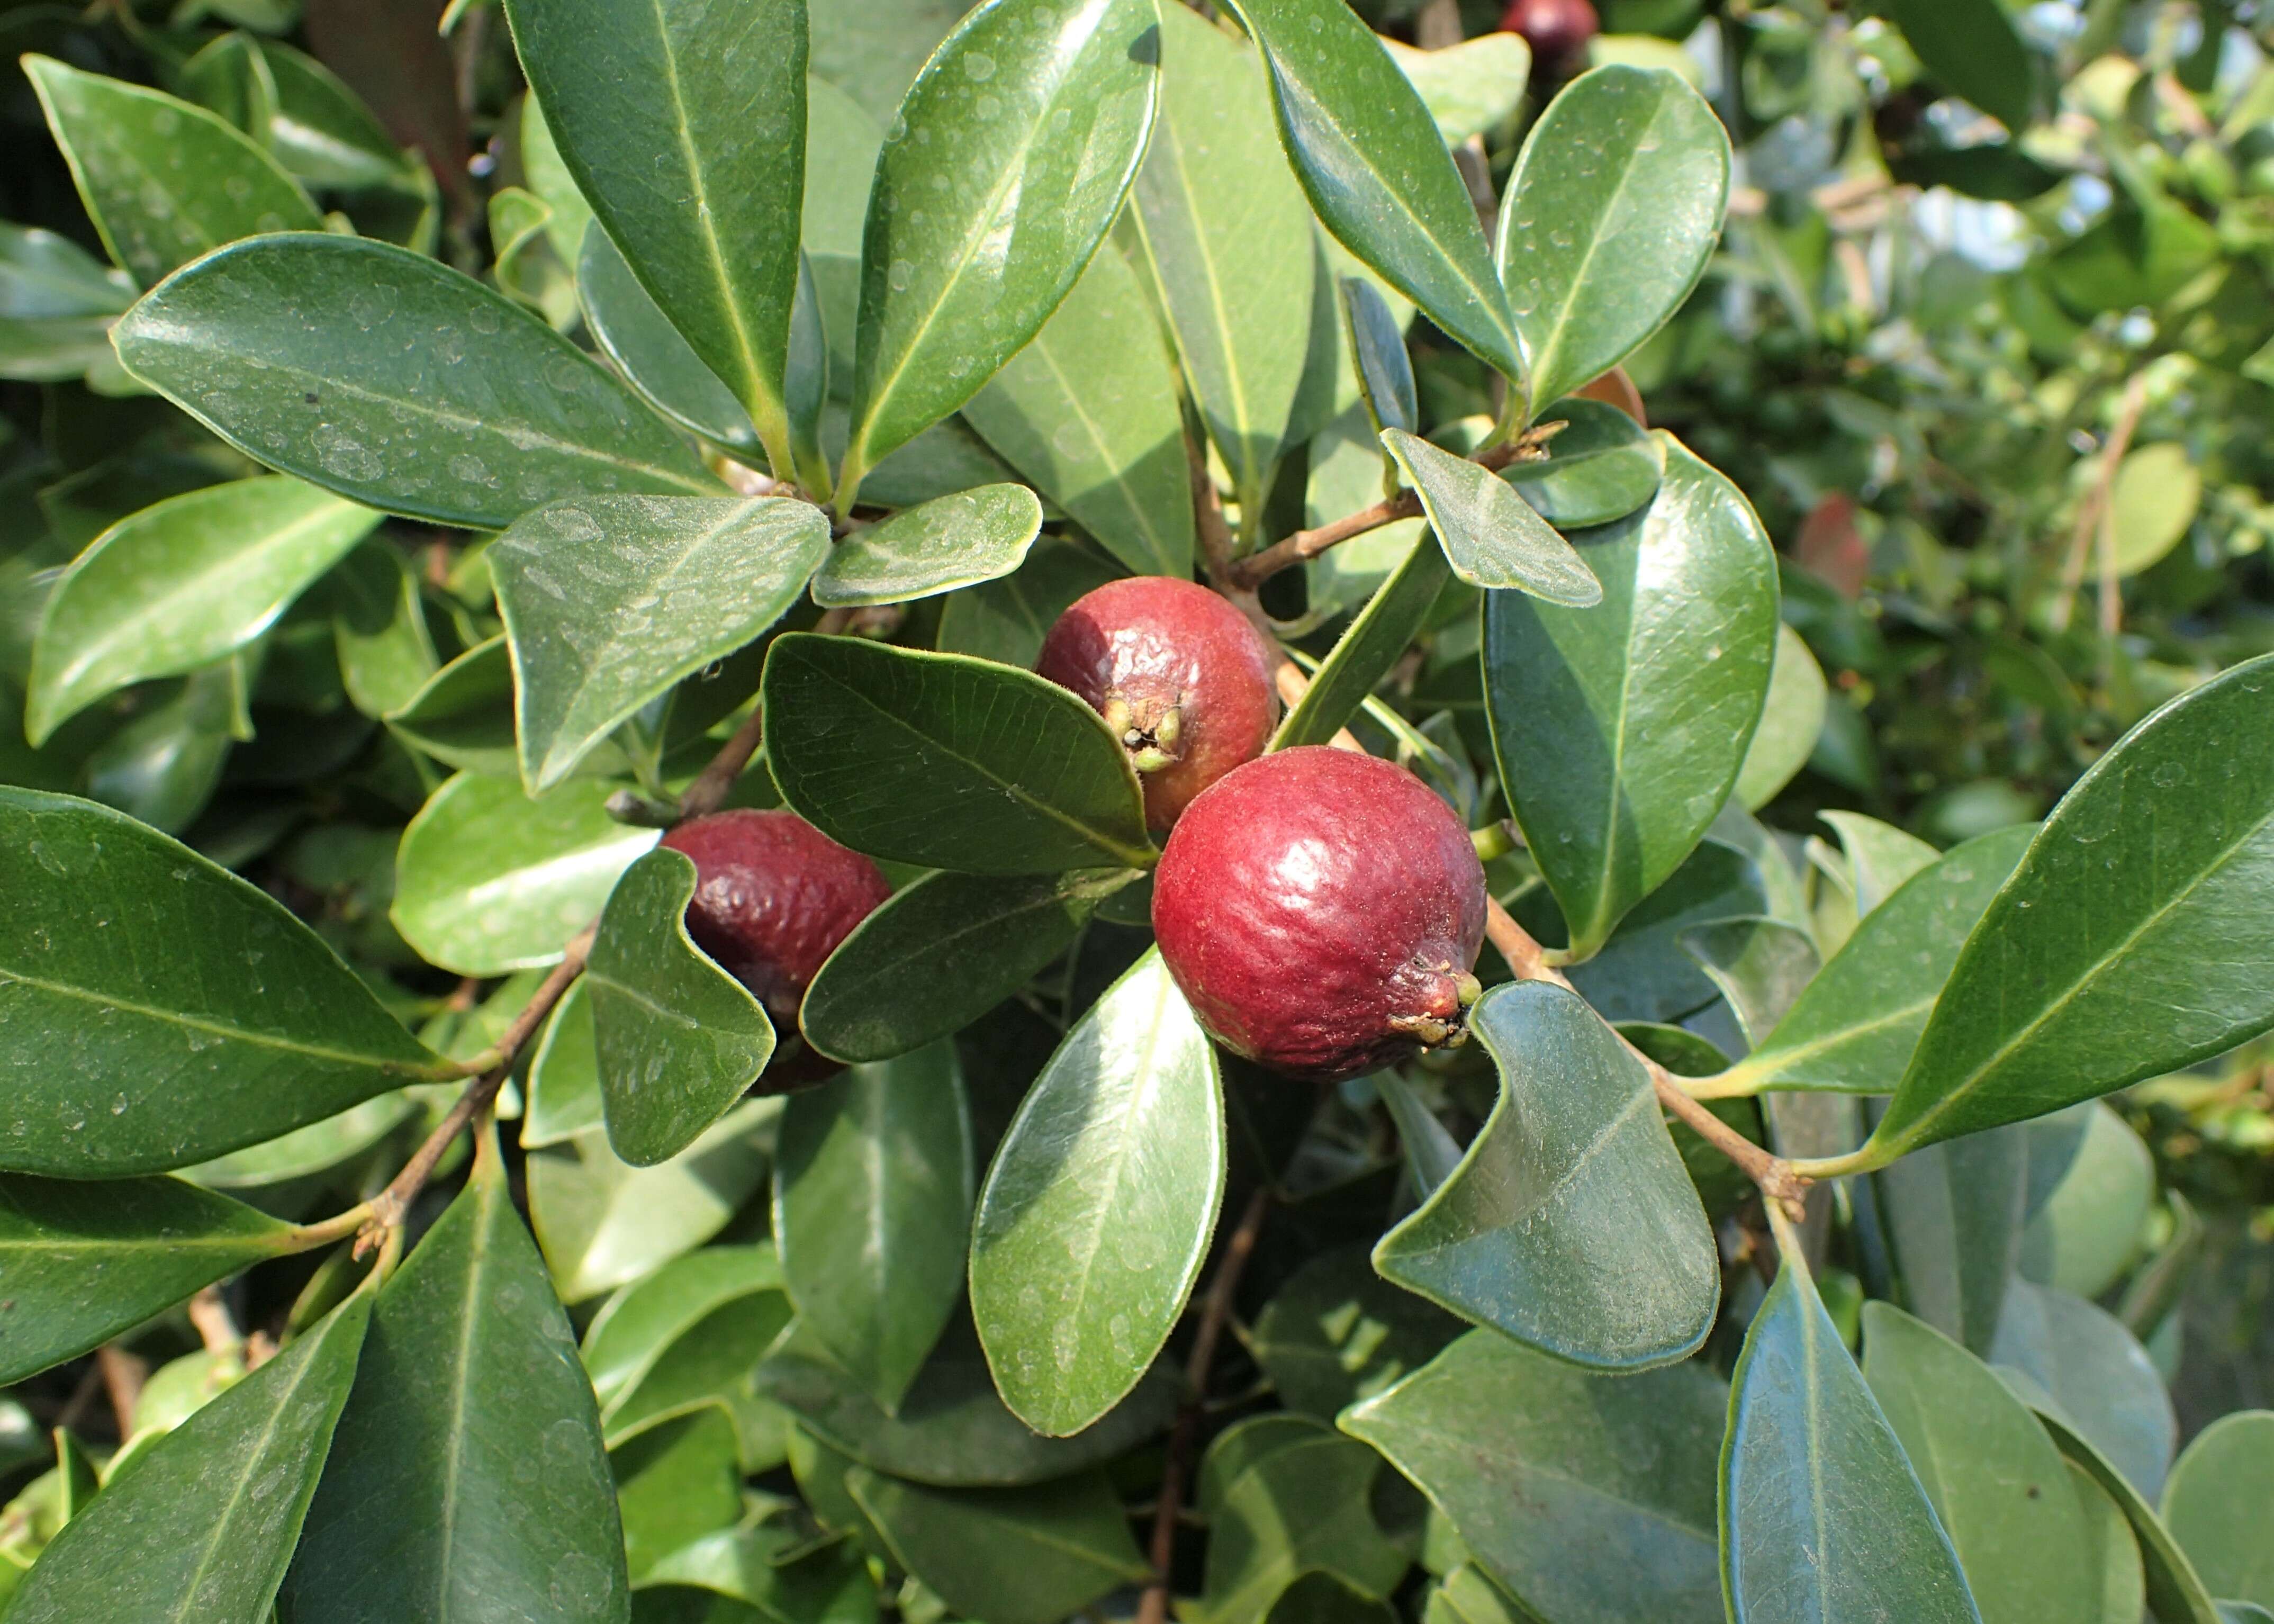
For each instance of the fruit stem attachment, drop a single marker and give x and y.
(383, 1219)
(1184, 1438)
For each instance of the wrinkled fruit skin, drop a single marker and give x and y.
(773, 897)
(1177, 672)
(1556, 30)
(1322, 910)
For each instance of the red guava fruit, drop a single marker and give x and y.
(1556, 30)
(1180, 676)
(1322, 910)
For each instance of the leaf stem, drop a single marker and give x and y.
(1183, 1439)
(1863, 1159)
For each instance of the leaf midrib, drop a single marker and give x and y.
(1220, 316)
(254, 1460)
(403, 1067)
(1080, 412)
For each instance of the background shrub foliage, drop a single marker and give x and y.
(434, 459)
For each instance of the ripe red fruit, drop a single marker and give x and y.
(1555, 29)
(773, 897)
(1177, 672)
(1322, 910)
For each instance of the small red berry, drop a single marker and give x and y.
(1556, 30)
(1177, 672)
(1322, 911)
(773, 897)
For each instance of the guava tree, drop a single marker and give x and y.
(1050, 770)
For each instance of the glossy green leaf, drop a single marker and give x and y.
(1952, 1215)
(1823, 1519)
(1649, 970)
(157, 1010)
(1854, 1026)
(1612, 212)
(443, 400)
(678, 1037)
(1301, 1503)
(2092, 1371)
(85, 1261)
(1792, 715)
(378, 625)
(1385, 371)
(489, 880)
(563, 1085)
(2216, 1505)
(162, 180)
(610, 601)
(1371, 158)
(2086, 1234)
(872, 1211)
(1621, 728)
(874, 48)
(180, 585)
(603, 1223)
(1373, 643)
(1470, 88)
(1590, 1497)
(639, 1325)
(945, 761)
(462, 714)
(1599, 467)
(942, 952)
(1466, 1596)
(1336, 1333)
(1975, 51)
(636, 334)
(1760, 966)
(1098, 1208)
(676, 1482)
(471, 1406)
(1491, 534)
(322, 132)
(1881, 857)
(1993, 1476)
(684, 127)
(1011, 155)
(1006, 620)
(202, 1524)
(1570, 1224)
(2175, 1591)
(1011, 1556)
(2118, 1575)
(56, 302)
(953, 1429)
(2133, 940)
(1088, 411)
(1226, 227)
(949, 542)
(320, 1148)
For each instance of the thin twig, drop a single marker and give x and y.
(2097, 511)
(1183, 1439)
(123, 1376)
(215, 1326)
(709, 791)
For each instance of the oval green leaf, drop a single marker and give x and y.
(1950, 1215)
(951, 541)
(1491, 534)
(462, 714)
(1010, 1556)
(2095, 1374)
(2216, 1505)
(2175, 1591)
(1792, 715)
(632, 332)
(1599, 467)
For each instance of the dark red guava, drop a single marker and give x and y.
(773, 897)
(1322, 910)
(1177, 672)
(1556, 30)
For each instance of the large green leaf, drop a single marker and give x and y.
(1994, 1478)
(1611, 214)
(2088, 1232)
(942, 952)
(2082, 1364)
(1337, 1332)
(2175, 1591)
(609, 601)
(946, 761)
(436, 397)
(157, 1010)
(1373, 644)
(162, 180)
(676, 1482)
(1823, 1519)
(1010, 157)
(489, 880)
(1651, 969)
(199, 1525)
(472, 1417)
(378, 625)
(1569, 1224)
(1376, 168)
(684, 126)
(2133, 940)
(180, 585)
(1975, 50)
(678, 1037)
(872, 49)
(952, 1429)
(1226, 227)
(872, 1211)
(1952, 1217)
(951, 541)
(1590, 1497)
(2217, 1505)
(1601, 466)
(1010, 1556)
(639, 1325)
(85, 1261)
(1621, 728)
(1491, 534)
(1470, 87)
(1098, 1208)
(1854, 1026)
(633, 333)
(1088, 411)
(1297, 1499)
(462, 714)
(1792, 717)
